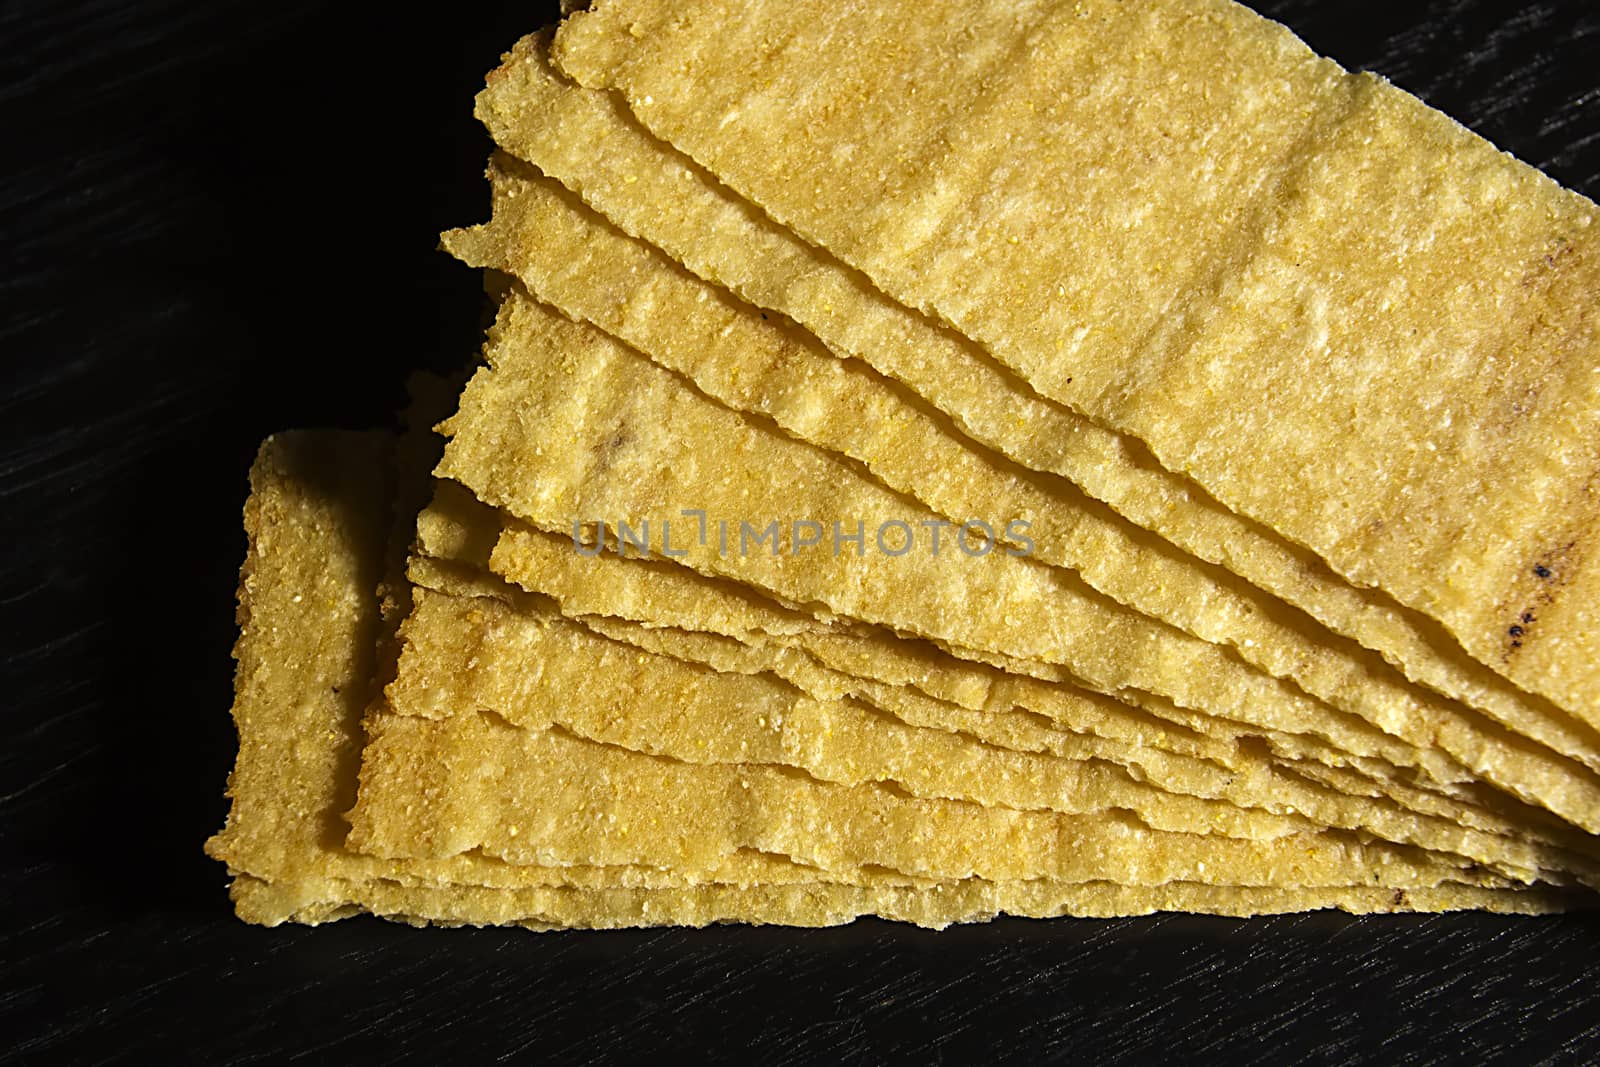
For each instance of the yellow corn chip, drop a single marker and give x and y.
(538, 669)
(885, 670)
(590, 143)
(1014, 729)
(310, 623)
(316, 524)
(432, 789)
(828, 905)
(618, 438)
(475, 651)
(568, 426)
(662, 593)
(1344, 315)
(600, 275)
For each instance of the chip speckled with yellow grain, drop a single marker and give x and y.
(1048, 459)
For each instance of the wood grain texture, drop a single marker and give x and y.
(160, 316)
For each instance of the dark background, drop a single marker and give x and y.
(218, 220)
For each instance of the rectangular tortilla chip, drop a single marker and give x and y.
(1339, 225)
(662, 593)
(433, 789)
(977, 700)
(567, 256)
(823, 904)
(589, 589)
(538, 669)
(460, 526)
(459, 530)
(481, 651)
(310, 623)
(1056, 460)
(668, 596)
(590, 143)
(617, 436)
(316, 520)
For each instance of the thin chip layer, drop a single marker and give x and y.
(432, 789)
(592, 145)
(316, 519)
(466, 656)
(1000, 708)
(508, 655)
(538, 669)
(616, 437)
(569, 426)
(1295, 217)
(653, 591)
(571, 258)
(660, 592)
(832, 905)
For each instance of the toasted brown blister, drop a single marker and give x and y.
(588, 141)
(1338, 311)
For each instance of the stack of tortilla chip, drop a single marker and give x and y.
(941, 461)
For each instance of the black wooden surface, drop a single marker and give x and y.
(219, 220)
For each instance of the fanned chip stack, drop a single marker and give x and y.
(937, 461)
